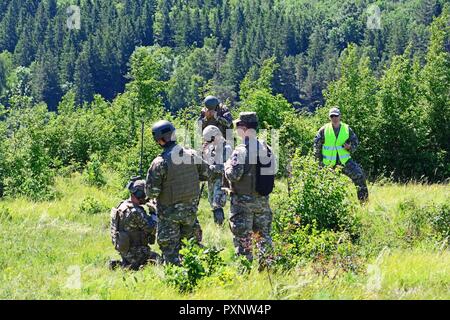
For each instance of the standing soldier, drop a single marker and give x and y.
(216, 152)
(216, 114)
(132, 229)
(333, 146)
(173, 179)
(250, 213)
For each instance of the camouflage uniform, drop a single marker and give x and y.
(132, 222)
(250, 214)
(223, 120)
(351, 169)
(217, 156)
(175, 220)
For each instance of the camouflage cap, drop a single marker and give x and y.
(334, 112)
(247, 118)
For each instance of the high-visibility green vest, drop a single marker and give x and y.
(334, 147)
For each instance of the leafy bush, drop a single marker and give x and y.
(415, 223)
(297, 133)
(91, 206)
(93, 174)
(318, 221)
(440, 220)
(302, 244)
(318, 194)
(28, 167)
(197, 263)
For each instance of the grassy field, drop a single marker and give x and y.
(55, 250)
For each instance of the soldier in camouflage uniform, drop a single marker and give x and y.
(216, 152)
(336, 152)
(132, 229)
(173, 179)
(250, 213)
(216, 114)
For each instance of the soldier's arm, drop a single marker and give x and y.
(353, 140)
(203, 168)
(202, 119)
(225, 119)
(319, 140)
(234, 167)
(141, 220)
(155, 176)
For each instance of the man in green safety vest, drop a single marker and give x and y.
(334, 144)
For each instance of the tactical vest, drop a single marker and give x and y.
(247, 184)
(334, 147)
(122, 237)
(182, 182)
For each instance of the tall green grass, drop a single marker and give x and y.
(46, 245)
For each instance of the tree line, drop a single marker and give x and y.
(211, 45)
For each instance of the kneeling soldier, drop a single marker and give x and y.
(132, 229)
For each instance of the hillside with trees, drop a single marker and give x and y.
(211, 45)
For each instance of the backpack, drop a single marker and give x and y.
(265, 174)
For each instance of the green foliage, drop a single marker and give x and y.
(28, 166)
(197, 263)
(319, 195)
(297, 133)
(93, 173)
(5, 214)
(271, 109)
(418, 222)
(298, 245)
(91, 205)
(318, 221)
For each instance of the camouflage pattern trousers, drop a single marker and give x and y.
(139, 256)
(216, 196)
(251, 220)
(175, 223)
(354, 171)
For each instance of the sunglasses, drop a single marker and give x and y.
(334, 116)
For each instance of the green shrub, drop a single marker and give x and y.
(297, 133)
(93, 174)
(415, 223)
(440, 220)
(318, 221)
(318, 194)
(28, 168)
(91, 206)
(197, 263)
(302, 244)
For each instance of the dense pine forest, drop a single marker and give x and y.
(211, 44)
(385, 64)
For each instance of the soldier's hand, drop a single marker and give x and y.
(347, 146)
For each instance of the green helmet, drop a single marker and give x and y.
(211, 102)
(163, 129)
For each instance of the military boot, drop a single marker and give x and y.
(219, 216)
(114, 264)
